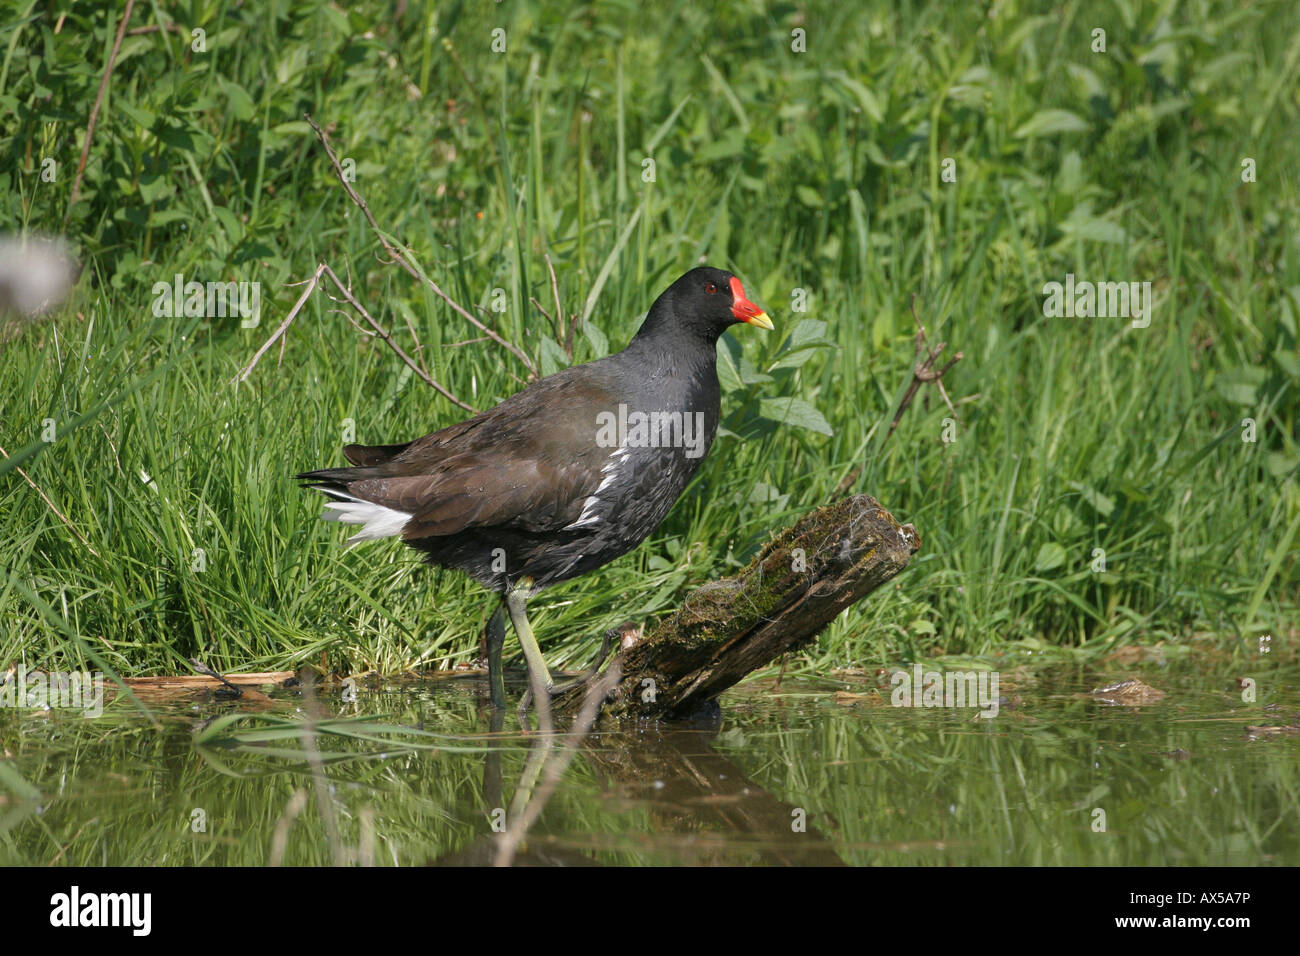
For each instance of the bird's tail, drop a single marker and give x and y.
(376, 520)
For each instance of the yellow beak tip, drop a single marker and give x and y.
(762, 321)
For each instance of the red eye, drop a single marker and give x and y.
(710, 288)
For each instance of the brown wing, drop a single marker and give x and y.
(484, 491)
(529, 463)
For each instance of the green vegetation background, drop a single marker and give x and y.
(819, 171)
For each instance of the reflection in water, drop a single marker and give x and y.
(425, 773)
(691, 791)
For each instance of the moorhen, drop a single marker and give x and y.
(562, 477)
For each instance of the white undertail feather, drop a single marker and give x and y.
(376, 521)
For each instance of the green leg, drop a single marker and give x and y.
(496, 638)
(538, 674)
(560, 687)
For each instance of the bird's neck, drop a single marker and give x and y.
(674, 349)
(661, 333)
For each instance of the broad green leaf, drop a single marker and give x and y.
(1050, 556)
(794, 411)
(807, 333)
(154, 187)
(553, 357)
(141, 117)
(238, 101)
(1048, 122)
(807, 336)
(866, 99)
(749, 373)
(1099, 502)
(593, 334)
(809, 196)
(728, 364)
(1241, 385)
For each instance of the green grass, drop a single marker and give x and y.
(821, 171)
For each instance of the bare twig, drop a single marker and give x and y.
(582, 724)
(207, 671)
(563, 335)
(419, 346)
(538, 306)
(64, 849)
(355, 324)
(50, 505)
(923, 373)
(94, 110)
(401, 260)
(555, 288)
(284, 326)
(324, 270)
(785, 659)
(280, 837)
(389, 341)
(320, 781)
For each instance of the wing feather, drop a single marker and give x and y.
(527, 464)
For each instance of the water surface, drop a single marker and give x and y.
(820, 772)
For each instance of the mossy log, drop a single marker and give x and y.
(805, 576)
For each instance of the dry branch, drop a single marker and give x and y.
(94, 110)
(923, 373)
(801, 580)
(401, 260)
(311, 283)
(50, 504)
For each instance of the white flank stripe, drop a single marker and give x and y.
(376, 521)
(610, 471)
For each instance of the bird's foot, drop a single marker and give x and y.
(554, 689)
(626, 634)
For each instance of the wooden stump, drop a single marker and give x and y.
(805, 576)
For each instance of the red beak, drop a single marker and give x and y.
(746, 311)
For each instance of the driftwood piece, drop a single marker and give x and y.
(188, 682)
(200, 688)
(801, 580)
